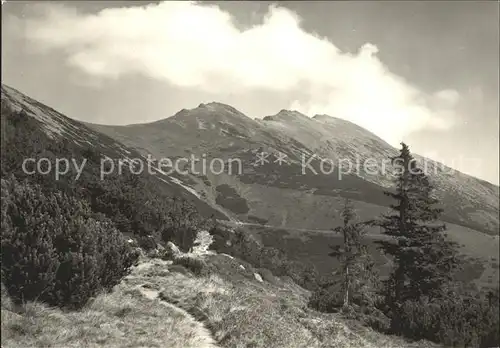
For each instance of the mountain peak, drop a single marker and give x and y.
(216, 107)
(290, 113)
(322, 117)
(212, 108)
(287, 115)
(338, 122)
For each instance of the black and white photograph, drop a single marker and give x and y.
(250, 174)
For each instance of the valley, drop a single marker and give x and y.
(469, 202)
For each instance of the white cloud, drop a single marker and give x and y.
(194, 45)
(448, 96)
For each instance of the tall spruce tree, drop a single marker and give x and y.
(424, 260)
(355, 261)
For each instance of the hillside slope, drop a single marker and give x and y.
(219, 131)
(160, 304)
(49, 127)
(272, 195)
(469, 201)
(202, 299)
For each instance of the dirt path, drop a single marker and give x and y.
(206, 339)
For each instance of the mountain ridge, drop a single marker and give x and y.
(220, 131)
(275, 197)
(60, 127)
(280, 115)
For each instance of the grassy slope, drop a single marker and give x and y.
(294, 212)
(161, 305)
(469, 201)
(313, 246)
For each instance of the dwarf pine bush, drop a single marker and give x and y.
(460, 320)
(54, 251)
(194, 264)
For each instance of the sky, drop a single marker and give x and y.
(423, 72)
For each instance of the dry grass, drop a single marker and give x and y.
(241, 312)
(158, 307)
(124, 318)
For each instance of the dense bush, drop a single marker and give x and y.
(364, 306)
(327, 299)
(328, 296)
(465, 319)
(147, 243)
(54, 251)
(243, 245)
(194, 264)
(135, 203)
(462, 316)
(61, 239)
(184, 222)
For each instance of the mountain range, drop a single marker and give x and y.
(274, 189)
(268, 191)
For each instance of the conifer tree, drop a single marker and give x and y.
(352, 254)
(424, 260)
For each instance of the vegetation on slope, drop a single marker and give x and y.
(228, 133)
(63, 245)
(136, 203)
(160, 304)
(63, 238)
(53, 249)
(420, 298)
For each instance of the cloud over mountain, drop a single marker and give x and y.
(199, 46)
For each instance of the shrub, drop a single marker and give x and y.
(147, 243)
(245, 247)
(117, 256)
(465, 319)
(183, 224)
(221, 239)
(194, 264)
(135, 203)
(326, 299)
(303, 273)
(29, 257)
(267, 275)
(178, 269)
(375, 318)
(183, 237)
(54, 251)
(364, 305)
